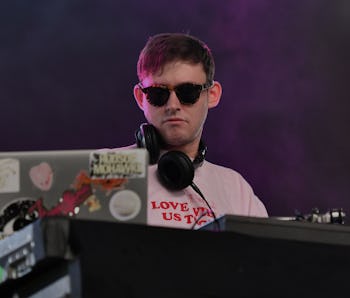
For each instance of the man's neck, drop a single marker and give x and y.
(191, 150)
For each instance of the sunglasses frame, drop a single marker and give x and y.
(167, 88)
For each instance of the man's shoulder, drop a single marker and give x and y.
(219, 168)
(225, 173)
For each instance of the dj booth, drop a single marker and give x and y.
(248, 257)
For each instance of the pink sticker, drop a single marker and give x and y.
(42, 176)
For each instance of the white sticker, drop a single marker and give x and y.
(125, 205)
(118, 164)
(9, 175)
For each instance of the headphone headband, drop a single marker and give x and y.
(148, 137)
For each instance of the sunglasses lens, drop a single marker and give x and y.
(157, 96)
(188, 93)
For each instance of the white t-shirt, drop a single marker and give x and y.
(226, 191)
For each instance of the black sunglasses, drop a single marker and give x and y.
(187, 93)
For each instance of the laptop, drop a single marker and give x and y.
(105, 184)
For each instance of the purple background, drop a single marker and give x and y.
(67, 69)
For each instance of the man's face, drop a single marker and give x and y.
(178, 124)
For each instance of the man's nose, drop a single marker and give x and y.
(173, 101)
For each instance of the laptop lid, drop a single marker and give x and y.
(102, 184)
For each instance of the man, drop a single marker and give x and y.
(175, 91)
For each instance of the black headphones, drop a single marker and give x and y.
(175, 169)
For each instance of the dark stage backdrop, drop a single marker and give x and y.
(67, 70)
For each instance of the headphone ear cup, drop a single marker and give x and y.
(148, 137)
(175, 170)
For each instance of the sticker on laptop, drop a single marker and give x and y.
(107, 185)
(125, 205)
(14, 215)
(93, 203)
(9, 175)
(42, 176)
(106, 164)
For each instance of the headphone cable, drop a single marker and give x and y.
(217, 223)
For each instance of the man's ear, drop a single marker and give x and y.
(214, 95)
(138, 95)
